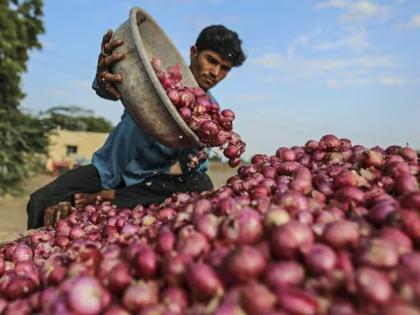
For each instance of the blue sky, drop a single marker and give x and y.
(346, 67)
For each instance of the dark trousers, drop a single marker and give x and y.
(86, 179)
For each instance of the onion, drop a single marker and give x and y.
(373, 285)
(192, 244)
(140, 295)
(204, 280)
(244, 263)
(146, 263)
(402, 242)
(287, 273)
(84, 296)
(175, 299)
(381, 211)
(341, 233)
(245, 228)
(320, 258)
(380, 253)
(19, 287)
(173, 269)
(405, 184)
(261, 305)
(2, 266)
(289, 238)
(410, 200)
(208, 225)
(296, 301)
(276, 216)
(350, 194)
(119, 277)
(165, 241)
(22, 252)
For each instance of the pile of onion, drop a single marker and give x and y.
(325, 228)
(202, 114)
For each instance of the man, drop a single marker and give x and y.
(133, 168)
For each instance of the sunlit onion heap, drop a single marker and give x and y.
(201, 113)
(328, 228)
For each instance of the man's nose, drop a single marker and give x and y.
(214, 71)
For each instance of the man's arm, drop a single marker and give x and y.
(104, 82)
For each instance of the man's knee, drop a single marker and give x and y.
(38, 200)
(200, 182)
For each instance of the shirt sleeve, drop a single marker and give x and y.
(100, 91)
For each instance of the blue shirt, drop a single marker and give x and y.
(129, 155)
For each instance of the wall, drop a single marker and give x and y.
(86, 142)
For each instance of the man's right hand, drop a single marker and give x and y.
(106, 59)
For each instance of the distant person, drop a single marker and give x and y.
(131, 167)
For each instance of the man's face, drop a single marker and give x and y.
(208, 67)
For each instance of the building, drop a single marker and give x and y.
(70, 149)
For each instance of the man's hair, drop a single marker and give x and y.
(222, 40)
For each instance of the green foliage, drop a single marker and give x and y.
(21, 135)
(76, 118)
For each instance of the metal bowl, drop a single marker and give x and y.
(141, 92)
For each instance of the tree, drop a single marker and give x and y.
(76, 118)
(22, 135)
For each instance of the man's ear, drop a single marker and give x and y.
(193, 52)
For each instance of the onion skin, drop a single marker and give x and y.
(244, 263)
(140, 295)
(204, 280)
(373, 285)
(341, 233)
(287, 273)
(254, 306)
(84, 296)
(289, 238)
(297, 301)
(320, 258)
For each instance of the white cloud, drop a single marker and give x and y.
(335, 72)
(414, 22)
(370, 79)
(359, 10)
(356, 40)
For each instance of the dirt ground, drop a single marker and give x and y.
(13, 213)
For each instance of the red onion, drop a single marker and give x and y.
(373, 285)
(411, 200)
(244, 263)
(276, 216)
(204, 280)
(257, 299)
(341, 233)
(380, 253)
(320, 258)
(175, 299)
(140, 295)
(165, 241)
(2, 266)
(402, 242)
(22, 252)
(208, 225)
(119, 277)
(296, 301)
(245, 228)
(192, 244)
(289, 238)
(281, 274)
(84, 297)
(146, 263)
(405, 184)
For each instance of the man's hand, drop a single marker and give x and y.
(56, 212)
(106, 59)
